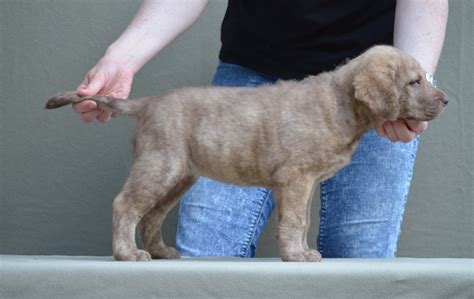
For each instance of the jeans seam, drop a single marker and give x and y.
(322, 216)
(251, 236)
(410, 176)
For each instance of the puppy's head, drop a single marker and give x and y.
(392, 85)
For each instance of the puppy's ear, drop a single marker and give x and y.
(375, 88)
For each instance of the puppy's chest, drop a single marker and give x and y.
(324, 165)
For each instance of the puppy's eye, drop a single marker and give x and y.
(415, 82)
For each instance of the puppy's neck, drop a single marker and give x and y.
(365, 118)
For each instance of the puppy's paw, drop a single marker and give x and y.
(165, 253)
(302, 256)
(134, 255)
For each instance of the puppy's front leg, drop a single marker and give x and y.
(293, 216)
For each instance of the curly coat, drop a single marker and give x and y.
(285, 137)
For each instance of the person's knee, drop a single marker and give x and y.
(372, 239)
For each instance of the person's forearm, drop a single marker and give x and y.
(420, 27)
(156, 24)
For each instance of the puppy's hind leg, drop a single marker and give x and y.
(124, 247)
(152, 176)
(149, 227)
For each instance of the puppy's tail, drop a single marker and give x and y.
(110, 104)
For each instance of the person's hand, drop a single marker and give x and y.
(107, 77)
(402, 130)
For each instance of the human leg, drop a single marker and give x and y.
(362, 205)
(217, 219)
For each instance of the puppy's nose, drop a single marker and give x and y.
(443, 99)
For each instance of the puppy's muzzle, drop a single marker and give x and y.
(442, 98)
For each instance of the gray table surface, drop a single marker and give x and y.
(102, 277)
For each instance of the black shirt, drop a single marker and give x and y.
(291, 39)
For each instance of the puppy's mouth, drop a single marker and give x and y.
(427, 115)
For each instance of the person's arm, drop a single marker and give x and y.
(155, 25)
(419, 31)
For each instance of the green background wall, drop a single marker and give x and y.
(59, 176)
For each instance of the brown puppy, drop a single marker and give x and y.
(285, 137)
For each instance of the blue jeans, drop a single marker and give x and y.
(361, 205)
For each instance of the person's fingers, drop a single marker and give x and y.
(87, 117)
(81, 89)
(417, 126)
(91, 86)
(380, 131)
(404, 134)
(401, 130)
(83, 84)
(390, 132)
(104, 117)
(84, 106)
